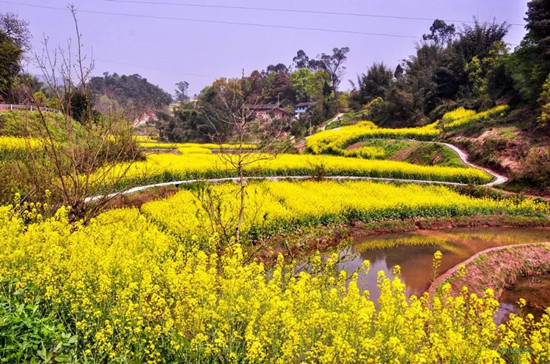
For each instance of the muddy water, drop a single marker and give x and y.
(536, 290)
(413, 252)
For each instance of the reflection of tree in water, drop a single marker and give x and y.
(535, 290)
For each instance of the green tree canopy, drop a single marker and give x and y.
(10, 58)
(375, 83)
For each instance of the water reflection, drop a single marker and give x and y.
(536, 290)
(414, 252)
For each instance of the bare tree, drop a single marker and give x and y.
(232, 113)
(75, 159)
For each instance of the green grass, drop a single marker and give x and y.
(389, 146)
(430, 154)
(348, 118)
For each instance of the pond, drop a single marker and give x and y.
(414, 253)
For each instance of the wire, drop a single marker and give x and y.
(259, 25)
(300, 11)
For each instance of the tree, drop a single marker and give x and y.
(278, 88)
(375, 83)
(530, 64)
(255, 83)
(399, 106)
(14, 42)
(299, 80)
(10, 57)
(441, 34)
(439, 73)
(185, 124)
(303, 61)
(399, 71)
(451, 76)
(420, 79)
(181, 91)
(315, 83)
(39, 98)
(17, 30)
(544, 101)
(230, 113)
(72, 160)
(488, 77)
(278, 68)
(334, 65)
(24, 85)
(219, 104)
(479, 39)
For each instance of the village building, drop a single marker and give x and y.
(303, 107)
(269, 111)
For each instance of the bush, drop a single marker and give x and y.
(28, 331)
(536, 169)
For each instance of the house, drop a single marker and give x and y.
(302, 107)
(268, 111)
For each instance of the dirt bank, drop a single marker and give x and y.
(496, 268)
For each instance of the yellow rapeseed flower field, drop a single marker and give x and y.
(199, 162)
(133, 292)
(12, 147)
(274, 206)
(462, 117)
(336, 140)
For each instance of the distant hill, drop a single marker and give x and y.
(133, 94)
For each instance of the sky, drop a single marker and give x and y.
(167, 41)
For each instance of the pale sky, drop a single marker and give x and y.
(152, 38)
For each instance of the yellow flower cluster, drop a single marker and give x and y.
(12, 147)
(274, 206)
(194, 164)
(459, 113)
(151, 144)
(365, 152)
(336, 140)
(462, 117)
(134, 293)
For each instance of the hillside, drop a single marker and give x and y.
(513, 145)
(510, 142)
(131, 93)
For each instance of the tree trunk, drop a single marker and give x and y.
(241, 207)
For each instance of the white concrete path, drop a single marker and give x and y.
(499, 179)
(271, 178)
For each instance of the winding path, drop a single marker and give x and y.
(499, 179)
